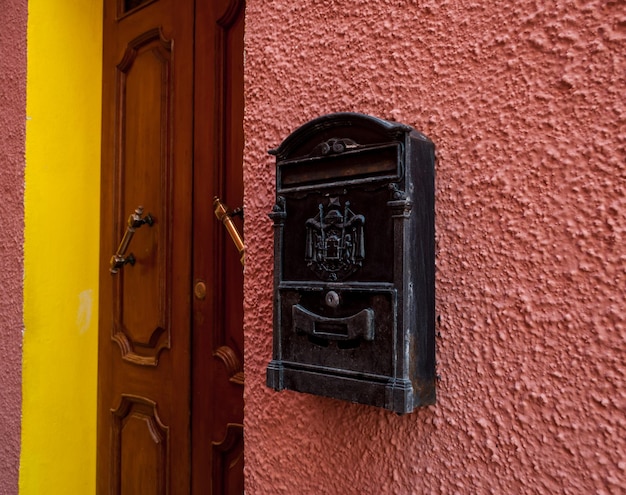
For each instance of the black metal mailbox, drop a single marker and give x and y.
(354, 258)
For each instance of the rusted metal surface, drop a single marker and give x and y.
(354, 263)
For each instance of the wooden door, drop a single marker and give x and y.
(217, 403)
(170, 377)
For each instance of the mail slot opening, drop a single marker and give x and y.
(364, 164)
(318, 341)
(331, 330)
(349, 344)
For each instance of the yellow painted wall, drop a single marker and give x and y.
(61, 247)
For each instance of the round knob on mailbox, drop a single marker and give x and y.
(332, 299)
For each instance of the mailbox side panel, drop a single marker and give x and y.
(421, 152)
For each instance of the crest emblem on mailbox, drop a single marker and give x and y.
(335, 245)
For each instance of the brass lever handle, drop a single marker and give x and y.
(118, 260)
(223, 215)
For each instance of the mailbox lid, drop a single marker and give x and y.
(341, 148)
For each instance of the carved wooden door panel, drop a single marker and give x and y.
(170, 381)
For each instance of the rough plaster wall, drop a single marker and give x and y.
(12, 135)
(525, 103)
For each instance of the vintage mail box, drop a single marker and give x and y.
(354, 262)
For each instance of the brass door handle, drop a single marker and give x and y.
(223, 215)
(118, 260)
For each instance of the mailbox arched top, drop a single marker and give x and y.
(346, 127)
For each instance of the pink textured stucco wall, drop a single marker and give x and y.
(13, 15)
(525, 103)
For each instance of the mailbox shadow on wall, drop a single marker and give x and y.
(354, 262)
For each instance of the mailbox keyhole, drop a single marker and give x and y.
(332, 299)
